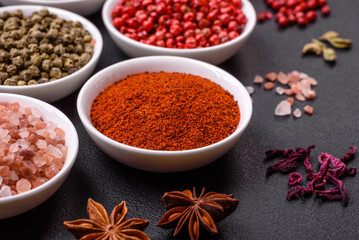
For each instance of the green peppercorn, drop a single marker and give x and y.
(36, 18)
(43, 80)
(32, 82)
(1, 23)
(27, 64)
(33, 48)
(3, 67)
(3, 76)
(35, 72)
(6, 15)
(64, 74)
(43, 12)
(55, 72)
(25, 75)
(72, 70)
(36, 59)
(46, 65)
(11, 69)
(4, 56)
(87, 38)
(59, 49)
(10, 82)
(45, 75)
(18, 13)
(57, 62)
(68, 64)
(18, 61)
(21, 83)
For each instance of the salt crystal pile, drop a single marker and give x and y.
(295, 83)
(32, 150)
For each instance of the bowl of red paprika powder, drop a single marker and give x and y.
(195, 105)
(210, 31)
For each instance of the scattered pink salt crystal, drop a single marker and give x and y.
(290, 100)
(297, 113)
(249, 89)
(282, 78)
(303, 75)
(300, 97)
(311, 95)
(23, 185)
(41, 144)
(5, 191)
(297, 88)
(311, 80)
(308, 109)
(258, 79)
(6, 139)
(288, 92)
(3, 132)
(268, 85)
(283, 109)
(293, 76)
(279, 90)
(272, 76)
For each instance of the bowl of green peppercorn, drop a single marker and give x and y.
(46, 53)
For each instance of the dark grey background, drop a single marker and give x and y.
(263, 211)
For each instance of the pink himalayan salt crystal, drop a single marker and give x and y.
(293, 76)
(283, 109)
(258, 79)
(300, 97)
(5, 191)
(61, 133)
(23, 185)
(308, 109)
(54, 151)
(1, 179)
(249, 89)
(279, 90)
(51, 171)
(23, 164)
(38, 182)
(12, 175)
(282, 78)
(312, 81)
(303, 75)
(14, 147)
(4, 170)
(268, 85)
(290, 100)
(41, 144)
(24, 134)
(272, 76)
(297, 113)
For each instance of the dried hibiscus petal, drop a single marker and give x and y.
(290, 162)
(294, 179)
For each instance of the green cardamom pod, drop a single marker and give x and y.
(311, 48)
(329, 54)
(319, 43)
(329, 35)
(340, 42)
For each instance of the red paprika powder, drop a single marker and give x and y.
(165, 111)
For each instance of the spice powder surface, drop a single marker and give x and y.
(165, 111)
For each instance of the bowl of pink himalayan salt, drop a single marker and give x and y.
(38, 148)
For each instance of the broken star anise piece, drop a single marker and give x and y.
(102, 227)
(193, 213)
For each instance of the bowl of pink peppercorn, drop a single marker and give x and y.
(38, 148)
(211, 31)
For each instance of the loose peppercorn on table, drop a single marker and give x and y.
(263, 211)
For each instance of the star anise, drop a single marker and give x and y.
(102, 227)
(193, 213)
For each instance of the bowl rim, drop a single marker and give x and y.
(87, 25)
(70, 157)
(249, 27)
(242, 125)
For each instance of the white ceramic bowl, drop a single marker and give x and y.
(215, 54)
(17, 204)
(154, 160)
(60, 88)
(82, 7)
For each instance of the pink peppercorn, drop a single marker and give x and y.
(180, 23)
(325, 10)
